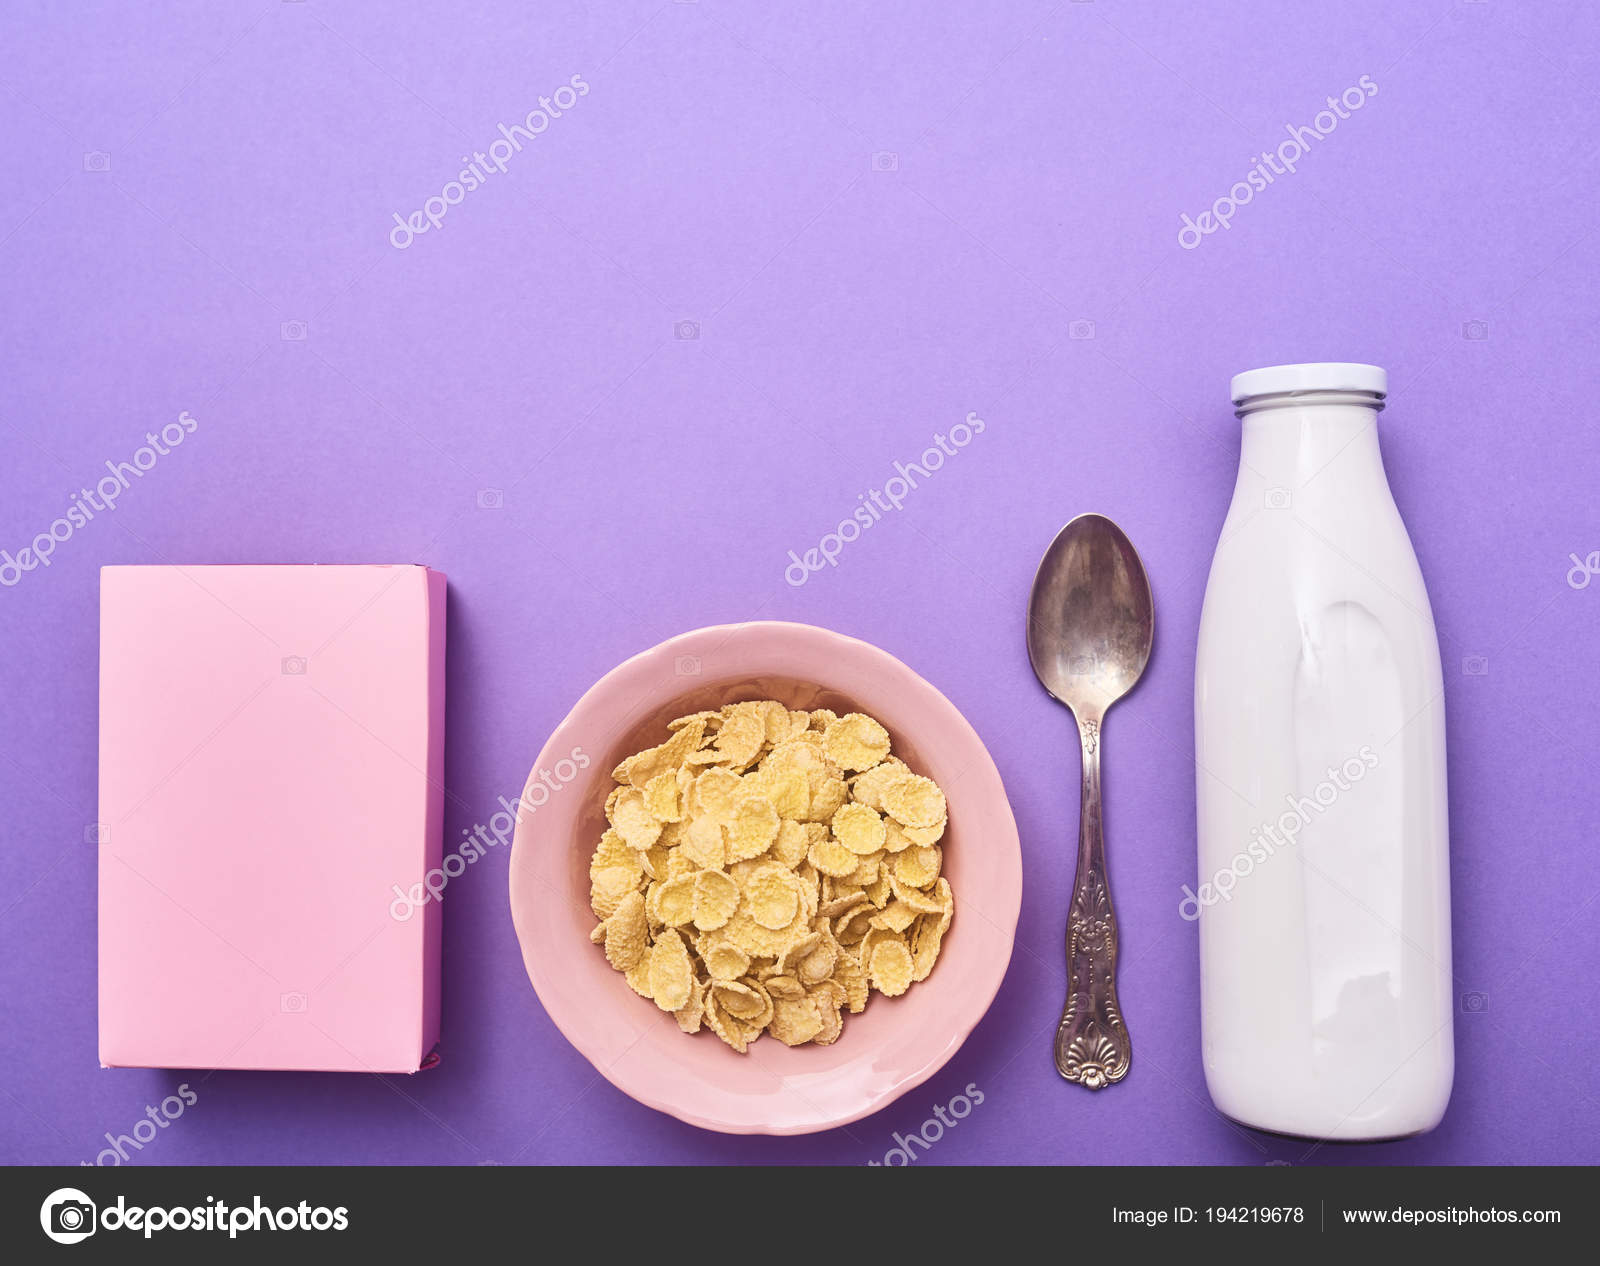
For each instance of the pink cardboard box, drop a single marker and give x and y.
(271, 762)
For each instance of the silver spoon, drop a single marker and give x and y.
(1090, 625)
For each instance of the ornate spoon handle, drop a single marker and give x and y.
(1092, 1046)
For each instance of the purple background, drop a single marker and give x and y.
(880, 222)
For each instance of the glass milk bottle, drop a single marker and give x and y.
(1324, 891)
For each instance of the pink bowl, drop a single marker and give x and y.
(896, 1043)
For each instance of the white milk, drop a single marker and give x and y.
(1324, 888)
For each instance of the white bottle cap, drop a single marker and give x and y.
(1319, 376)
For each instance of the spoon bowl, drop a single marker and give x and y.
(1091, 621)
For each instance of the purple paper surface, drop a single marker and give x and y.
(769, 253)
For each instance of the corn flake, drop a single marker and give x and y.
(743, 733)
(895, 839)
(897, 916)
(772, 896)
(855, 741)
(925, 942)
(673, 902)
(926, 834)
(830, 998)
(661, 798)
(795, 1021)
(724, 961)
(826, 799)
(752, 828)
(638, 977)
(714, 794)
(736, 1033)
(692, 1012)
(849, 974)
(742, 1001)
(859, 829)
(627, 933)
(609, 888)
(891, 968)
(633, 821)
(868, 788)
(833, 858)
(671, 973)
(792, 844)
(918, 866)
(703, 844)
(714, 898)
(914, 801)
(613, 851)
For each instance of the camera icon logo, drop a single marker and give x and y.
(97, 833)
(1474, 1003)
(884, 160)
(67, 1216)
(687, 665)
(1475, 331)
(293, 331)
(294, 665)
(1277, 499)
(1080, 329)
(686, 331)
(292, 1003)
(97, 161)
(1475, 665)
(491, 499)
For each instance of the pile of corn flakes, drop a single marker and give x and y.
(766, 870)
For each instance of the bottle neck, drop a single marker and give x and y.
(1325, 441)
